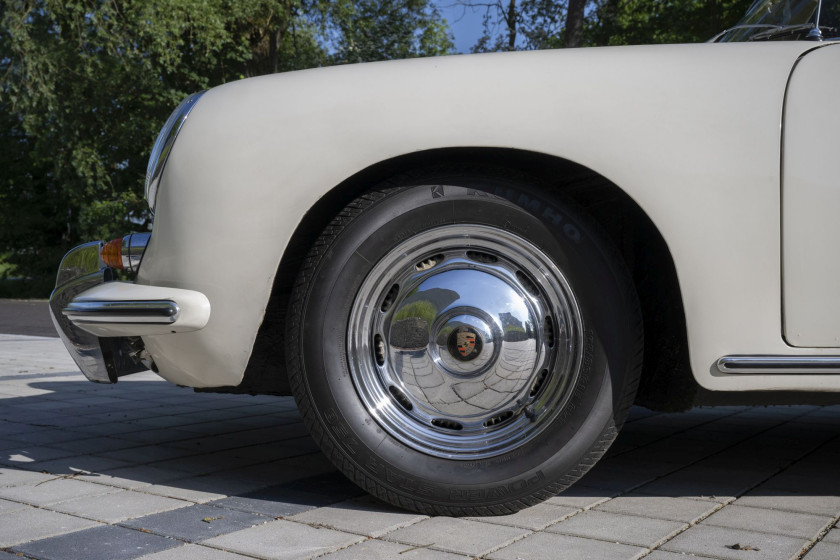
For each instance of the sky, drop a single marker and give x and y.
(464, 22)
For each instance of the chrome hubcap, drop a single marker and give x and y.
(464, 341)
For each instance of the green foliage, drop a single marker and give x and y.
(540, 24)
(388, 29)
(422, 309)
(519, 24)
(638, 22)
(86, 84)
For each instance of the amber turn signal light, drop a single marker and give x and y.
(126, 252)
(111, 253)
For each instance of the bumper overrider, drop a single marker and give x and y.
(102, 321)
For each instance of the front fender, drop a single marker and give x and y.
(690, 132)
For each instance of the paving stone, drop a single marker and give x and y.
(228, 483)
(32, 523)
(52, 491)
(16, 477)
(330, 485)
(100, 543)
(659, 507)
(118, 506)
(769, 521)
(14, 429)
(614, 527)
(273, 502)
(94, 445)
(549, 546)
(45, 437)
(457, 535)
(717, 484)
(833, 536)
(146, 454)
(706, 540)
(581, 497)
(194, 552)
(6, 506)
(293, 497)
(382, 550)
(133, 477)
(663, 555)
(824, 551)
(118, 429)
(7, 444)
(617, 477)
(284, 540)
(196, 523)
(27, 455)
(181, 490)
(139, 433)
(788, 501)
(364, 516)
(74, 465)
(535, 517)
(205, 444)
(678, 451)
(806, 485)
(258, 453)
(640, 464)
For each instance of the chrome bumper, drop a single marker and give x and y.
(155, 312)
(80, 270)
(101, 321)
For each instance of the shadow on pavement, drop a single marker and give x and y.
(252, 454)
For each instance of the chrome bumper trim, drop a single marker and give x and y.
(102, 322)
(126, 312)
(133, 247)
(800, 365)
(101, 360)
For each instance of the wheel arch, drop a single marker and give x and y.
(667, 382)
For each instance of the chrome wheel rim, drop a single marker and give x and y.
(464, 341)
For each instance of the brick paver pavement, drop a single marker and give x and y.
(144, 469)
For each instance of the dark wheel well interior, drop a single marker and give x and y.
(667, 383)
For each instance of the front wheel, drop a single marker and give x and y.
(460, 345)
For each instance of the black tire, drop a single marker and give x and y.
(318, 327)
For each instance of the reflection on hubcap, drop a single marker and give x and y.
(456, 332)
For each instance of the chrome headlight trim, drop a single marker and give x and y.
(163, 145)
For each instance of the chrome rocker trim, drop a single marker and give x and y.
(800, 365)
(127, 312)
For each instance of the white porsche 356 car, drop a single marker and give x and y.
(455, 264)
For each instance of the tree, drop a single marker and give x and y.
(574, 23)
(366, 30)
(539, 24)
(638, 22)
(86, 84)
(518, 24)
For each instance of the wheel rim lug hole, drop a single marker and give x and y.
(379, 350)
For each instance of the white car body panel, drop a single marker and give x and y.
(811, 202)
(690, 132)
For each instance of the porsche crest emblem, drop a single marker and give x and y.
(465, 341)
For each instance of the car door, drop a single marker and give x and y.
(811, 201)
